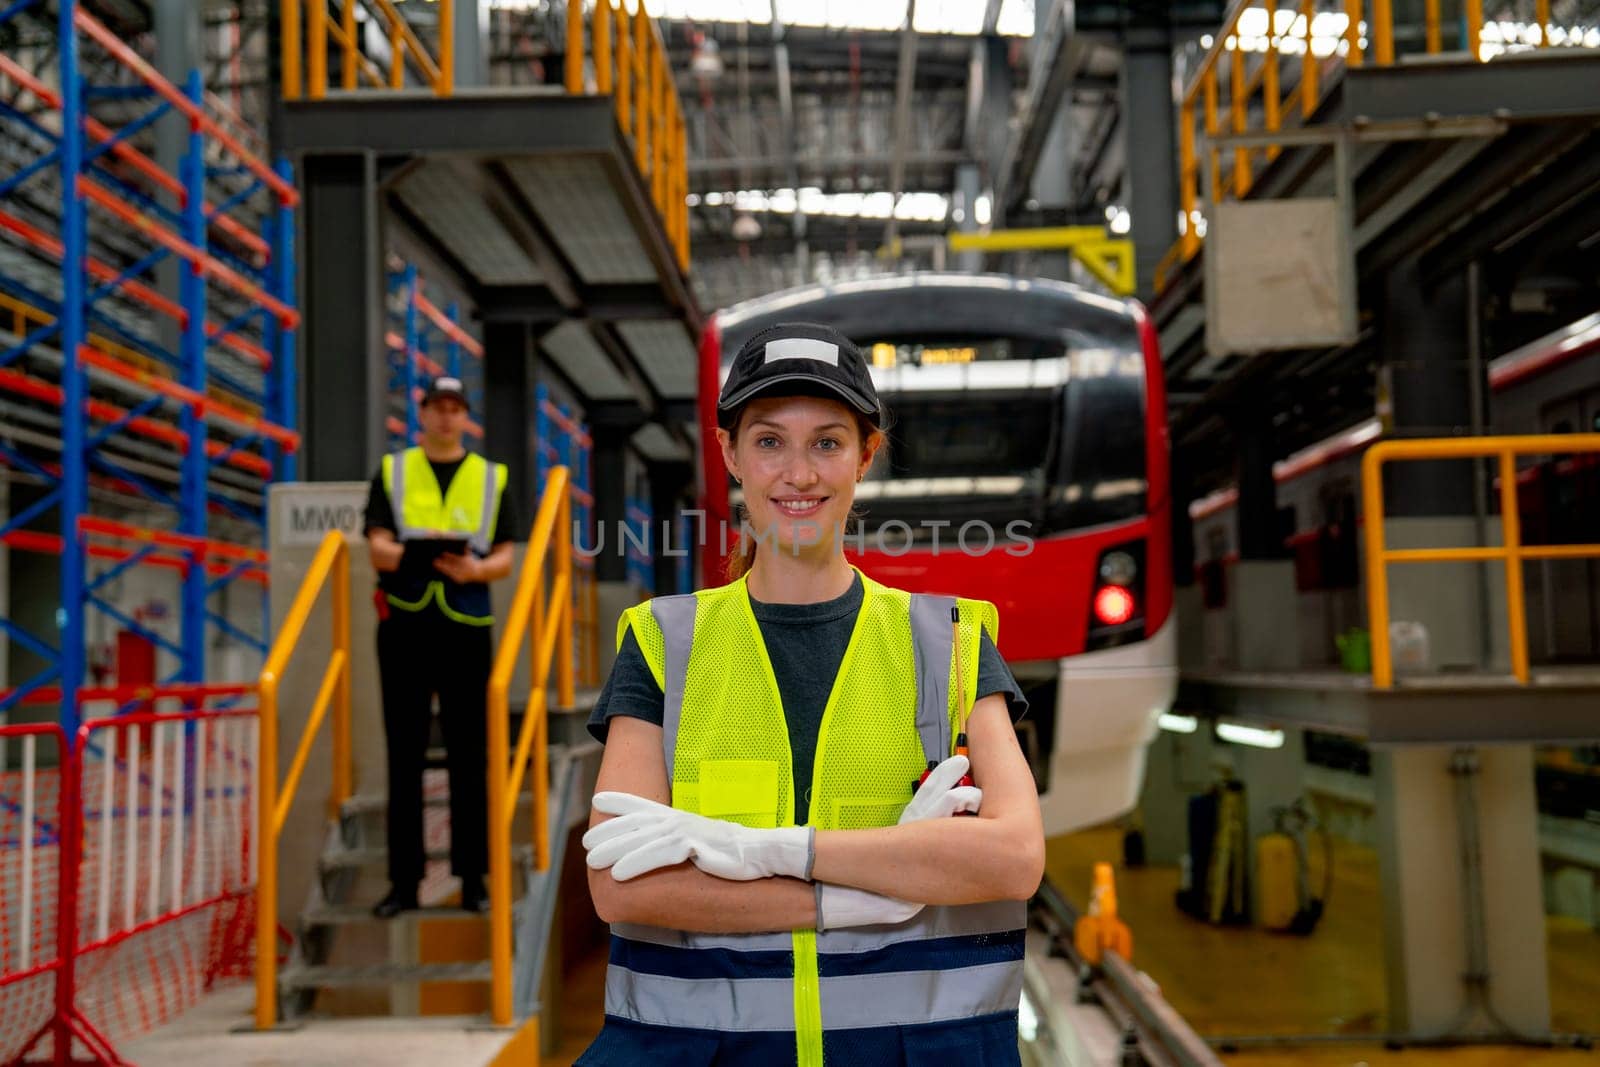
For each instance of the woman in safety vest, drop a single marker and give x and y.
(779, 886)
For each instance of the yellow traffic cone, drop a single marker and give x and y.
(1101, 929)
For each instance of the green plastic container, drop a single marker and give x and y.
(1355, 650)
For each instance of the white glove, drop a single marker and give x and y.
(646, 836)
(939, 797)
(840, 905)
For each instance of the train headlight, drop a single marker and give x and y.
(1118, 568)
(1113, 605)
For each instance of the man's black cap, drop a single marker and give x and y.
(446, 387)
(799, 359)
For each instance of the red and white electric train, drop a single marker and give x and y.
(1026, 464)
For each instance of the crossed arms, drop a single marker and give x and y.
(997, 856)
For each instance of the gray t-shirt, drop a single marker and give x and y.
(806, 643)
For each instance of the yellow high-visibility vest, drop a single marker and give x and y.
(893, 708)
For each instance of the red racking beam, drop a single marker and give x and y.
(201, 261)
(39, 389)
(441, 320)
(140, 292)
(136, 159)
(203, 404)
(169, 92)
(93, 526)
(53, 544)
(397, 343)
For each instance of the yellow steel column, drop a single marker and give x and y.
(397, 56)
(1271, 103)
(1238, 103)
(1431, 18)
(1212, 126)
(1541, 15)
(1377, 566)
(1188, 175)
(267, 849)
(1473, 14)
(1511, 538)
(1309, 70)
(347, 22)
(317, 48)
(624, 71)
(1382, 31)
(1352, 32)
(601, 30)
(446, 85)
(289, 21)
(342, 761)
(574, 61)
(642, 89)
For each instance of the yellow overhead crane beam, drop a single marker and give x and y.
(1109, 259)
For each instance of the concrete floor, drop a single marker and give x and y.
(205, 1037)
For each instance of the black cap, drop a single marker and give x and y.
(446, 387)
(799, 359)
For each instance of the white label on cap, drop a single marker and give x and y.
(448, 385)
(802, 348)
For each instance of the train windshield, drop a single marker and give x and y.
(1043, 430)
(1008, 400)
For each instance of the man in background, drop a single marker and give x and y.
(439, 532)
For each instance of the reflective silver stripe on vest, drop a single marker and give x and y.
(895, 998)
(907, 998)
(397, 497)
(674, 617)
(700, 1003)
(849, 1002)
(932, 644)
(966, 920)
(485, 535)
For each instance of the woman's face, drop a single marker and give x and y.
(799, 459)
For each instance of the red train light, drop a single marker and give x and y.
(1113, 605)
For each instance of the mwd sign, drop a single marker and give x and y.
(303, 512)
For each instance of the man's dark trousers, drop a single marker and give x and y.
(420, 654)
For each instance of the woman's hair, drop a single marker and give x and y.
(744, 554)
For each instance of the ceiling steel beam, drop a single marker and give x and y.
(904, 82)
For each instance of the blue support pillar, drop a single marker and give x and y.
(284, 353)
(541, 425)
(74, 459)
(192, 473)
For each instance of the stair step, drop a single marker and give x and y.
(342, 858)
(322, 977)
(329, 915)
(377, 803)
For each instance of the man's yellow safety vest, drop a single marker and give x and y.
(468, 510)
(892, 710)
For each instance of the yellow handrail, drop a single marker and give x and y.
(319, 30)
(1369, 20)
(330, 566)
(547, 623)
(630, 64)
(1511, 550)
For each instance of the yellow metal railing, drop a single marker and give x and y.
(542, 611)
(1511, 551)
(1222, 91)
(627, 60)
(609, 51)
(330, 569)
(307, 32)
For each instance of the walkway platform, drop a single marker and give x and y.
(1557, 706)
(209, 1034)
